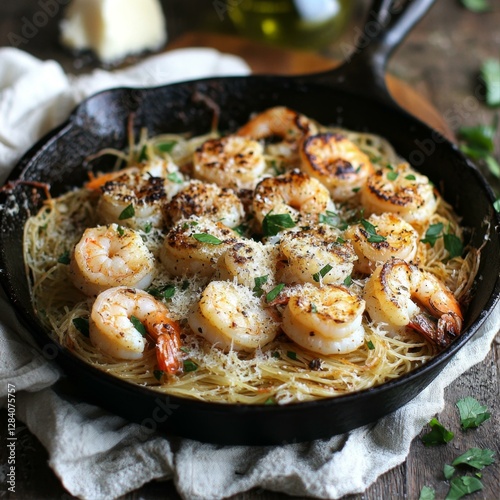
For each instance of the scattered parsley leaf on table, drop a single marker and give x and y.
(472, 413)
(490, 72)
(448, 471)
(438, 435)
(476, 457)
(461, 486)
(476, 5)
(427, 493)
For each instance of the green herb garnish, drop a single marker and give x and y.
(207, 238)
(127, 213)
(166, 147)
(292, 355)
(348, 281)
(476, 457)
(453, 244)
(120, 230)
(274, 223)
(448, 471)
(82, 325)
(392, 176)
(158, 374)
(427, 493)
(148, 227)
(438, 435)
(461, 486)
(433, 233)
(138, 325)
(477, 6)
(490, 72)
(270, 401)
(373, 237)
(259, 281)
(175, 177)
(64, 258)
(410, 177)
(370, 345)
(332, 219)
(274, 292)
(322, 273)
(190, 366)
(143, 155)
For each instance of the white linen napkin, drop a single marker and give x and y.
(98, 455)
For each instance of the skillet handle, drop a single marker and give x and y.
(387, 24)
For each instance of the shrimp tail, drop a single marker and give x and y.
(441, 333)
(168, 346)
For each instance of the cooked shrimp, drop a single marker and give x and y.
(337, 162)
(325, 320)
(282, 129)
(108, 256)
(247, 260)
(381, 238)
(401, 191)
(231, 162)
(208, 200)
(315, 255)
(113, 331)
(295, 193)
(230, 316)
(193, 246)
(144, 189)
(395, 293)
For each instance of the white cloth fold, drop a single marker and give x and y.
(97, 455)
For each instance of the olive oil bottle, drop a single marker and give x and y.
(310, 24)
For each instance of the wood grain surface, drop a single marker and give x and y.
(437, 69)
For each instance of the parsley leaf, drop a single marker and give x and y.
(392, 176)
(166, 147)
(143, 155)
(322, 273)
(472, 413)
(292, 355)
(332, 219)
(476, 457)
(427, 493)
(373, 237)
(496, 205)
(175, 177)
(64, 258)
(274, 292)
(270, 401)
(490, 72)
(370, 345)
(433, 233)
(82, 325)
(348, 281)
(158, 374)
(207, 238)
(190, 366)
(138, 325)
(127, 213)
(448, 471)
(476, 5)
(274, 223)
(453, 244)
(438, 434)
(259, 281)
(461, 486)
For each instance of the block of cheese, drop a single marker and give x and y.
(113, 29)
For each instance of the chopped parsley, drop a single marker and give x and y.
(427, 493)
(82, 325)
(477, 458)
(292, 355)
(448, 471)
(120, 231)
(373, 237)
(477, 6)
(496, 205)
(64, 258)
(165, 292)
(432, 234)
(322, 273)
(461, 486)
(348, 281)
(472, 413)
(166, 147)
(274, 292)
(138, 325)
(438, 435)
(274, 223)
(392, 176)
(207, 238)
(158, 374)
(490, 72)
(143, 155)
(127, 213)
(332, 219)
(410, 177)
(190, 366)
(175, 177)
(259, 281)
(270, 401)
(370, 345)
(452, 243)
(148, 227)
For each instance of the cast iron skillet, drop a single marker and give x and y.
(353, 96)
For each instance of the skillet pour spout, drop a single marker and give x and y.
(353, 96)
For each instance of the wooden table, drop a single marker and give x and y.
(440, 60)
